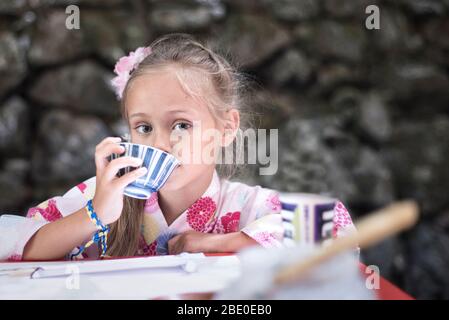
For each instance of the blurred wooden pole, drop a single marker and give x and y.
(370, 230)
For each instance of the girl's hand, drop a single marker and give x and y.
(108, 199)
(193, 241)
(189, 241)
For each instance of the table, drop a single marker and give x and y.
(217, 271)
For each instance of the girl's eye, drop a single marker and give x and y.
(182, 126)
(143, 129)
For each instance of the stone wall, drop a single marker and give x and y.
(363, 114)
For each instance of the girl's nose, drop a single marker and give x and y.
(161, 142)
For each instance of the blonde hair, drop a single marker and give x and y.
(199, 70)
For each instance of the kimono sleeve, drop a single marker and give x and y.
(343, 224)
(262, 220)
(16, 231)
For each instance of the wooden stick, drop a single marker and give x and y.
(370, 230)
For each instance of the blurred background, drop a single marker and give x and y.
(362, 114)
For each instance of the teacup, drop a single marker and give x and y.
(160, 165)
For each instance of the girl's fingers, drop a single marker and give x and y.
(115, 165)
(123, 181)
(103, 152)
(108, 140)
(172, 245)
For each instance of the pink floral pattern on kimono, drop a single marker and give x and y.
(14, 257)
(50, 213)
(342, 220)
(273, 202)
(266, 239)
(229, 222)
(200, 213)
(82, 186)
(147, 249)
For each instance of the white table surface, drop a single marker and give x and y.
(212, 273)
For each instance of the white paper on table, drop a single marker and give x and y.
(55, 269)
(133, 278)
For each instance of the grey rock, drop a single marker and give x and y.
(415, 82)
(443, 220)
(437, 33)
(293, 10)
(12, 6)
(12, 62)
(317, 156)
(247, 6)
(99, 3)
(304, 160)
(417, 156)
(251, 38)
(52, 42)
(330, 76)
(82, 87)
(65, 148)
(61, 3)
(182, 16)
(113, 33)
(396, 33)
(427, 262)
(13, 188)
(374, 118)
(280, 106)
(366, 111)
(22, 25)
(347, 8)
(292, 65)
(423, 7)
(14, 127)
(49, 3)
(108, 33)
(372, 177)
(332, 40)
(346, 102)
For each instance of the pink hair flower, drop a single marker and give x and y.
(125, 65)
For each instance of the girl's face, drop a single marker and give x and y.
(161, 114)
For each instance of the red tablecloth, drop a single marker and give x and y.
(387, 290)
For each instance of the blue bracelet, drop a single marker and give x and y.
(101, 236)
(93, 216)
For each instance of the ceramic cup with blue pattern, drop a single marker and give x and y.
(160, 165)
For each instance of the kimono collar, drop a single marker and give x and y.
(212, 191)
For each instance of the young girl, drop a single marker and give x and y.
(168, 87)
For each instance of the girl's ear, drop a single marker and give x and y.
(230, 126)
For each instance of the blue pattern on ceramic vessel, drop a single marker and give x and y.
(160, 165)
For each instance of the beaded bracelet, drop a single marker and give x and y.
(101, 236)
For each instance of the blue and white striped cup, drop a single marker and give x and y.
(160, 165)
